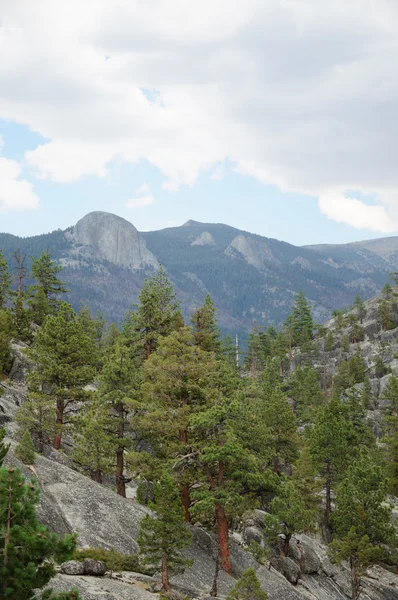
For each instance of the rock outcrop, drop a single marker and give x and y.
(111, 238)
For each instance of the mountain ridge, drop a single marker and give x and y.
(251, 278)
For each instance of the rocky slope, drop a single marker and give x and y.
(251, 278)
(72, 502)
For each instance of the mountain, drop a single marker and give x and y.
(250, 278)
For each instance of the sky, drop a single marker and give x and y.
(279, 117)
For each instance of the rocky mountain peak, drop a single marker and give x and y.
(114, 239)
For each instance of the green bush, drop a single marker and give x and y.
(114, 560)
(72, 595)
(172, 596)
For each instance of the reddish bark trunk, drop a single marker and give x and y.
(97, 475)
(355, 582)
(60, 422)
(286, 544)
(186, 502)
(165, 574)
(222, 534)
(120, 481)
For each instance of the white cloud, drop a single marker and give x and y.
(143, 198)
(352, 211)
(300, 94)
(16, 194)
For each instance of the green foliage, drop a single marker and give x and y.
(247, 588)
(28, 550)
(349, 373)
(157, 314)
(5, 281)
(74, 594)
(45, 272)
(65, 363)
(306, 392)
(329, 342)
(362, 520)
(4, 448)
(39, 306)
(5, 341)
(308, 485)
(259, 553)
(380, 367)
(360, 308)
(367, 396)
(25, 450)
(391, 434)
(21, 320)
(338, 316)
(163, 536)
(345, 344)
(206, 332)
(288, 514)
(300, 320)
(114, 560)
(172, 595)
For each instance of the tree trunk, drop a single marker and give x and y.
(355, 581)
(96, 475)
(165, 574)
(60, 422)
(214, 589)
(286, 544)
(222, 534)
(120, 483)
(186, 502)
(328, 508)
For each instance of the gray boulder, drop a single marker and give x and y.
(96, 568)
(72, 567)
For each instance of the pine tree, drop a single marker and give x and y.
(94, 448)
(362, 520)
(338, 316)
(247, 588)
(329, 342)
(25, 450)
(345, 344)
(206, 332)
(288, 514)
(308, 486)
(380, 367)
(39, 306)
(5, 341)
(4, 448)
(391, 434)
(301, 320)
(307, 393)
(28, 550)
(157, 314)
(118, 382)
(37, 415)
(5, 281)
(163, 536)
(45, 272)
(328, 445)
(21, 320)
(367, 396)
(64, 356)
(173, 389)
(72, 595)
(360, 308)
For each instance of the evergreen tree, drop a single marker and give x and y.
(4, 448)
(25, 450)
(345, 344)
(5, 281)
(21, 320)
(367, 396)
(72, 595)
(173, 389)
(360, 308)
(5, 341)
(328, 446)
(157, 314)
(380, 367)
(308, 485)
(391, 434)
(28, 550)
(301, 320)
(307, 393)
(247, 588)
(338, 316)
(94, 438)
(45, 272)
(65, 358)
(163, 536)
(329, 342)
(37, 415)
(362, 519)
(118, 382)
(39, 306)
(206, 332)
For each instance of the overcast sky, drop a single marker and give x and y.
(275, 116)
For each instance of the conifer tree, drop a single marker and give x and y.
(37, 415)
(338, 316)
(25, 450)
(173, 389)
(39, 306)
(345, 344)
(5, 281)
(367, 396)
(27, 550)
(308, 485)
(328, 445)
(301, 320)
(4, 448)
(45, 272)
(247, 588)
(94, 438)
(391, 434)
(362, 520)
(64, 356)
(21, 320)
(157, 314)
(206, 332)
(360, 308)
(5, 341)
(307, 393)
(163, 536)
(117, 385)
(329, 342)
(288, 514)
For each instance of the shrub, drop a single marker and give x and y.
(114, 560)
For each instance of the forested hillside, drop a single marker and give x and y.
(251, 279)
(185, 465)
